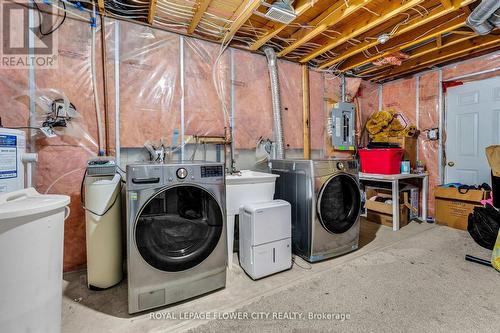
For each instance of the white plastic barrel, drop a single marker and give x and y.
(31, 261)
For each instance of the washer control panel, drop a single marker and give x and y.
(212, 171)
(181, 173)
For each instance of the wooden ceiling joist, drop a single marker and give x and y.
(446, 3)
(242, 14)
(467, 55)
(339, 34)
(474, 45)
(100, 6)
(404, 41)
(423, 50)
(152, 11)
(200, 9)
(434, 15)
(301, 7)
(332, 16)
(360, 27)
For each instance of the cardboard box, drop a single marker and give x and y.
(452, 208)
(386, 219)
(414, 198)
(379, 212)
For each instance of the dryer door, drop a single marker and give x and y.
(339, 203)
(178, 228)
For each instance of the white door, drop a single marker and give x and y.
(472, 124)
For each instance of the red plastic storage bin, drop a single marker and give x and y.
(385, 161)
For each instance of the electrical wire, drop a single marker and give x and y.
(308, 266)
(54, 27)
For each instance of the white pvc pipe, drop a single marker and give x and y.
(117, 92)
(100, 134)
(32, 96)
(181, 56)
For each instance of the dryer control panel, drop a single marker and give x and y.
(212, 171)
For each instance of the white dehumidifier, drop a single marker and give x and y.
(265, 235)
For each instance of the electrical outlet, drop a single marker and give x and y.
(62, 112)
(433, 134)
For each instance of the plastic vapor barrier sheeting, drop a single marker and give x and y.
(484, 63)
(429, 118)
(150, 93)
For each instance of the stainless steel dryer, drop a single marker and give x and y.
(176, 233)
(326, 201)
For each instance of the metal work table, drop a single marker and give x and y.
(394, 181)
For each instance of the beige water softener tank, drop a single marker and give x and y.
(103, 228)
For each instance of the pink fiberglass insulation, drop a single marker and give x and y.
(73, 78)
(290, 77)
(204, 114)
(486, 62)
(317, 109)
(332, 88)
(253, 115)
(367, 103)
(429, 118)
(65, 178)
(14, 97)
(149, 86)
(400, 96)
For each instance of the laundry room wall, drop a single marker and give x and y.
(159, 95)
(401, 96)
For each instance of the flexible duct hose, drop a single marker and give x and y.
(495, 18)
(477, 20)
(275, 94)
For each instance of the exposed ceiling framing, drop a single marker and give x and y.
(353, 37)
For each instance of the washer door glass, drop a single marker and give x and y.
(339, 203)
(178, 228)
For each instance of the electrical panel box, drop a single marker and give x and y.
(343, 126)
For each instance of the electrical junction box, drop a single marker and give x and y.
(343, 121)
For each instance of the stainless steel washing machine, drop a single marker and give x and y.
(176, 233)
(326, 201)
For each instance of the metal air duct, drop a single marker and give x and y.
(495, 18)
(275, 94)
(478, 19)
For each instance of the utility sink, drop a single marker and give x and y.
(248, 186)
(250, 177)
(243, 188)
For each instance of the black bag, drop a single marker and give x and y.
(483, 225)
(495, 185)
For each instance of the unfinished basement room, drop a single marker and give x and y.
(298, 166)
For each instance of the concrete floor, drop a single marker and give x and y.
(412, 280)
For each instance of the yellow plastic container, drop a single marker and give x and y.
(495, 256)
